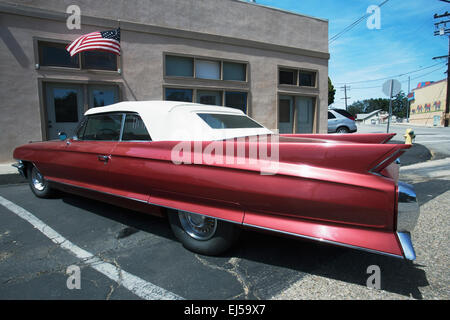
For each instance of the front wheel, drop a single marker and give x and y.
(342, 130)
(38, 184)
(202, 234)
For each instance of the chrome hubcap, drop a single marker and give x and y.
(37, 180)
(197, 226)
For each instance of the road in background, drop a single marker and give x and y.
(436, 139)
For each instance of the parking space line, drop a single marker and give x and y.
(138, 286)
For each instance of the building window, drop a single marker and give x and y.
(56, 55)
(173, 94)
(234, 71)
(209, 97)
(236, 100)
(99, 60)
(179, 66)
(233, 99)
(287, 76)
(207, 69)
(203, 68)
(297, 77)
(307, 79)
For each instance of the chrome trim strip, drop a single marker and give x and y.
(326, 241)
(407, 247)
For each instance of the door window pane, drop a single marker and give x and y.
(307, 79)
(56, 55)
(66, 105)
(236, 100)
(234, 71)
(103, 127)
(288, 76)
(209, 97)
(206, 69)
(99, 60)
(285, 111)
(100, 96)
(179, 66)
(173, 94)
(134, 129)
(305, 112)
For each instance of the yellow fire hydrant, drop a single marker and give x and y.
(409, 136)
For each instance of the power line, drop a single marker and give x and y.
(393, 76)
(353, 24)
(420, 76)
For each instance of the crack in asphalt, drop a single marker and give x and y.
(233, 271)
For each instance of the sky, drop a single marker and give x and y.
(404, 42)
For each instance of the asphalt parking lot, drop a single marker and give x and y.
(262, 266)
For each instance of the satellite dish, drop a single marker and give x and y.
(396, 87)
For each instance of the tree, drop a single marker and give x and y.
(399, 103)
(331, 92)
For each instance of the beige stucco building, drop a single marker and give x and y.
(270, 63)
(428, 105)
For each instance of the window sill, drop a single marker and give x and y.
(77, 70)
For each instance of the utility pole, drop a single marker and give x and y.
(407, 99)
(442, 30)
(345, 88)
(391, 90)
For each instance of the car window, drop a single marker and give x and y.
(344, 113)
(104, 127)
(228, 121)
(331, 115)
(134, 129)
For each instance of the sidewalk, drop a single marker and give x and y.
(10, 175)
(429, 170)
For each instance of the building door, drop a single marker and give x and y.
(64, 105)
(285, 114)
(304, 114)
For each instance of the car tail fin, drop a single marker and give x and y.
(383, 162)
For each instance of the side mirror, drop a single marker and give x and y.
(62, 136)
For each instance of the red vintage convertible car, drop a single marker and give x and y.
(213, 170)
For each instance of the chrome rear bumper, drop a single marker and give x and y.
(407, 216)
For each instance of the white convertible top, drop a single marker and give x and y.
(178, 121)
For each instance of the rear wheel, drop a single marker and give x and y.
(38, 184)
(342, 130)
(202, 234)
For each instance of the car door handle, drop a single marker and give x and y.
(103, 158)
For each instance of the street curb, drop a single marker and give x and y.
(12, 178)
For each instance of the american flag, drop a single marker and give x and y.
(104, 41)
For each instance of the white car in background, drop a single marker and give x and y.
(341, 121)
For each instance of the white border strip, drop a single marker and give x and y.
(138, 286)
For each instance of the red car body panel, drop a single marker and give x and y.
(341, 190)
